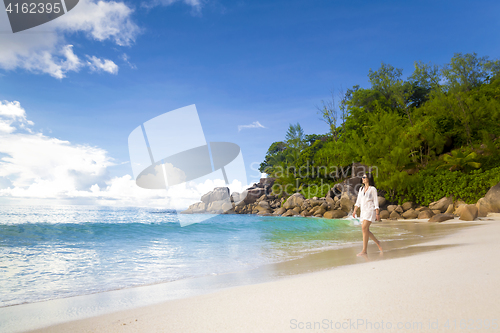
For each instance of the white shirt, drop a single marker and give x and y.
(368, 202)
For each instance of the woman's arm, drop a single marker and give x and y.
(375, 202)
(357, 204)
(375, 198)
(358, 199)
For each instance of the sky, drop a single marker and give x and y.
(73, 89)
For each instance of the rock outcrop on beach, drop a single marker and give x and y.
(425, 214)
(218, 194)
(490, 203)
(338, 203)
(384, 214)
(395, 216)
(410, 214)
(442, 204)
(441, 217)
(483, 208)
(217, 201)
(221, 202)
(468, 212)
(257, 190)
(297, 204)
(493, 198)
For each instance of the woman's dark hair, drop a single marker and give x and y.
(371, 182)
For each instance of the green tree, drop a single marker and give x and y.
(274, 157)
(493, 67)
(295, 141)
(424, 80)
(427, 76)
(384, 79)
(310, 139)
(466, 71)
(329, 115)
(345, 97)
(403, 92)
(295, 137)
(462, 116)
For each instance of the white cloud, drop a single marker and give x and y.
(35, 167)
(46, 62)
(44, 49)
(101, 20)
(40, 166)
(39, 55)
(72, 62)
(126, 60)
(10, 113)
(106, 65)
(195, 4)
(255, 124)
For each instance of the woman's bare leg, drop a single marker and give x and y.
(366, 234)
(372, 236)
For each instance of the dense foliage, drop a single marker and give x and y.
(435, 133)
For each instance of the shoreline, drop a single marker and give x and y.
(176, 291)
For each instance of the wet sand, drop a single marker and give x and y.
(279, 297)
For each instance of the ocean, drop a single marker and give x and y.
(52, 252)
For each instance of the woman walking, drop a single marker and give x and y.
(368, 202)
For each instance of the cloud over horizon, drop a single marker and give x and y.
(34, 166)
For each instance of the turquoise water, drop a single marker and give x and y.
(62, 251)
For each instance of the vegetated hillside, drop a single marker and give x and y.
(432, 135)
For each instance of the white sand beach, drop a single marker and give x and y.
(452, 289)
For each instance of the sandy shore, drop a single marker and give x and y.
(454, 288)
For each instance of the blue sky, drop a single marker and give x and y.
(238, 61)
